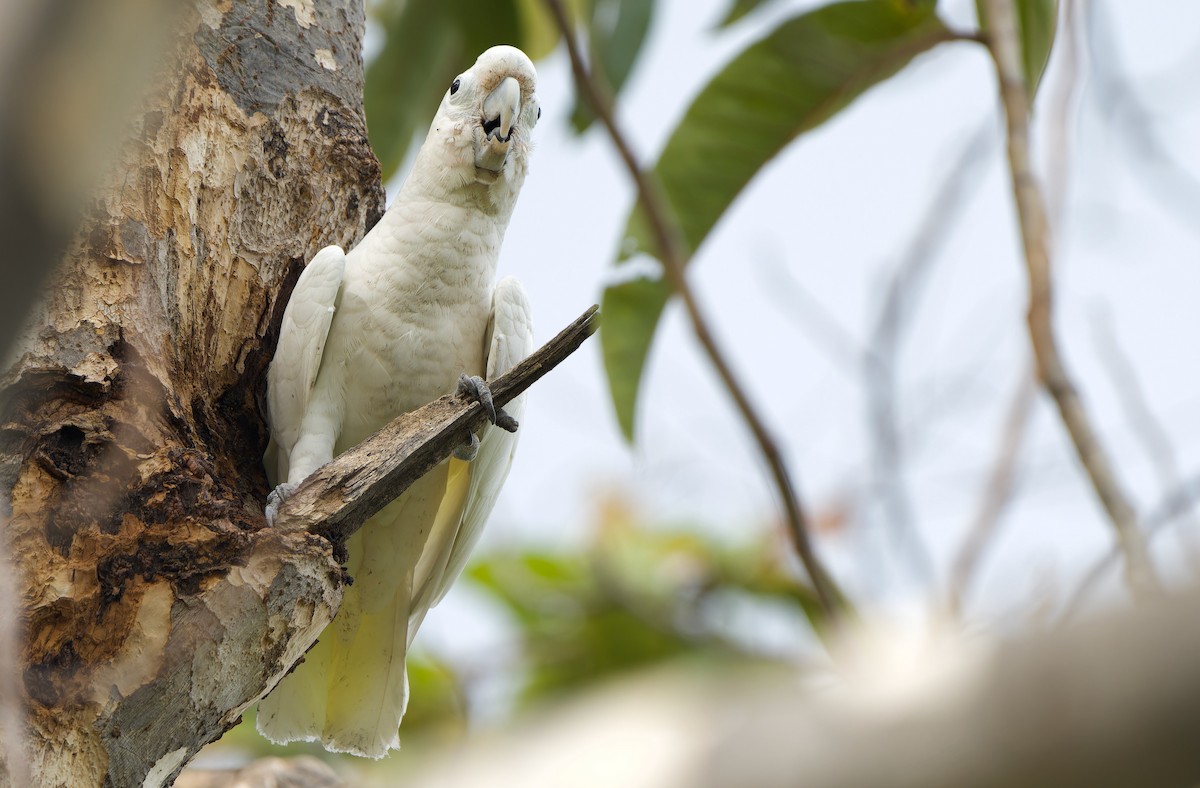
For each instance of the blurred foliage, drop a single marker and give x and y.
(634, 598)
(739, 9)
(615, 33)
(790, 81)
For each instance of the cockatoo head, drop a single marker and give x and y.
(483, 125)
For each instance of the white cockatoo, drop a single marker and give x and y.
(404, 317)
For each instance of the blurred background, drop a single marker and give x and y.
(869, 289)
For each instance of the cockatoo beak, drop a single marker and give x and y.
(501, 109)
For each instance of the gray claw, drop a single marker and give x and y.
(506, 422)
(477, 388)
(276, 499)
(467, 451)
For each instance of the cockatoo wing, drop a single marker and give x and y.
(297, 359)
(509, 341)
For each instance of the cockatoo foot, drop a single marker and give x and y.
(276, 499)
(477, 388)
(467, 451)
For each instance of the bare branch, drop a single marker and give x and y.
(1004, 45)
(891, 324)
(996, 496)
(339, 497)
(1155, 440)
(666, 236)
(1062, 107)
(1180, 501)
(1168, 178)
(797, 303)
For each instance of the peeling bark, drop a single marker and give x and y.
(156, 605)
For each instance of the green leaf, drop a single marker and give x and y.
(630, 311)
(797, 77)
(739, 9)
(429, 42)
(576, 627)
(539, 33)
(615, 36)
(398, 91)
(1037, 21)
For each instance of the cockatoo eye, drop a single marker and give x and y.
(539, 113)
(454, 86)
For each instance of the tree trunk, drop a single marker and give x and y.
(157, 606)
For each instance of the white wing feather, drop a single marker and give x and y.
(297, 359)
(511, 341)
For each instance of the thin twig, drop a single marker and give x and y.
(824, 328)
(1062, 108)
(1167, 177)
(1002, 480)
(667, 238)
(1155, 440)
(891, 323)
(1175, 504)
(1001, 483)
(1004, 45)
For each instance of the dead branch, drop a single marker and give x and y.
(1155, 440)
(891, 323)
(666, 236)
(339, 497)
(1178, 502)
(1004, 44)
(996, 496)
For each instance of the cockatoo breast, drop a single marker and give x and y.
(414, 311)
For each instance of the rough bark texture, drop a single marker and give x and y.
(156, 606)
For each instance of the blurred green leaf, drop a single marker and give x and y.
(539, 34)
(739, 9)
(615, 36)
(578, 625)
(634, 598)
(428, 43)
(574, 630)
(791, 81)
(437, 706)
(631, 309)
(1037, 21)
